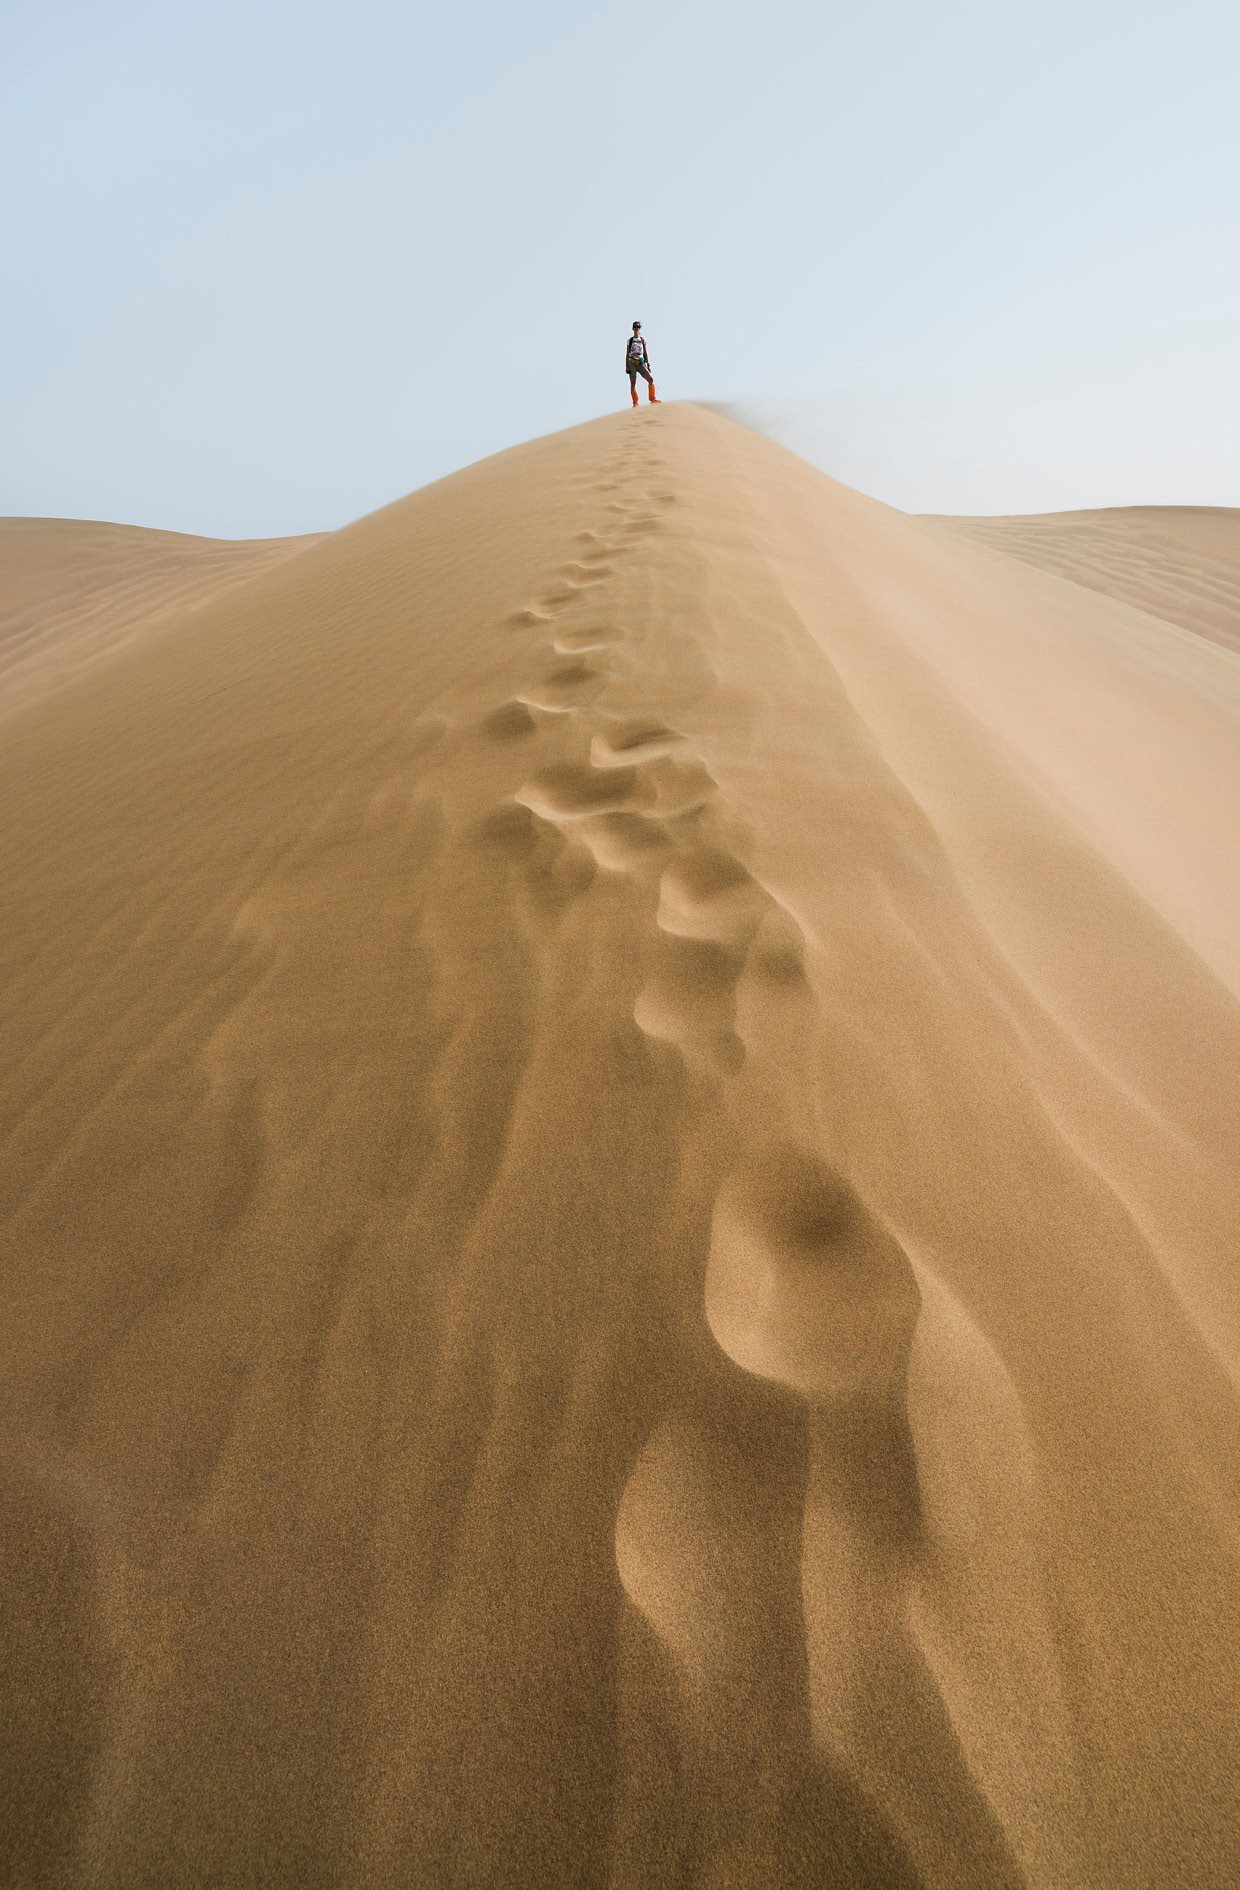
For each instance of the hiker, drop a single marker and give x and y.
(637, 361)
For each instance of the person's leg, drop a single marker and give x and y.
(633, 385)
(651, 396)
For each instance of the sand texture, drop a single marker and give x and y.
(620, 1130)
(1178, 562)
(72, 592)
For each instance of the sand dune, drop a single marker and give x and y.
(619, 1187)
(1178, 562)
(73, 591)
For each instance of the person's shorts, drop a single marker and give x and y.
(638, 366)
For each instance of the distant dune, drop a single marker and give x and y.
(74, 591)
(619, 1172)
(1179, 562)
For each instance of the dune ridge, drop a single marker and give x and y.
(619, 1192)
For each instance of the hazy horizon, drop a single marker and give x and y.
(271, 269)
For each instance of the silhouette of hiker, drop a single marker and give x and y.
(637, 361)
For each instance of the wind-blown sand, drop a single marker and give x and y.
(1180, 562)
(620, 1248)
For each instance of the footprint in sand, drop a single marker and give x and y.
(708, 894)
(661, 784)
(675, 1552)
(527, 619)
(567, 687)
(625, 744)
(509, 830)
(625, 843)
(807, 1289)
(779, 955)
(567, 791)
(708, 1540)
(553, 873)
(585, 642)
(718, 927)
(580, 575)
(512, 722)
(706, 1545)
(682, 789)
(804, 1284)
(689, 1001)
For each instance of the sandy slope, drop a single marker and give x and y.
(620, 1188)
(1179, 562)
(73, 591)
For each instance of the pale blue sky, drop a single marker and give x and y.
(270, 265)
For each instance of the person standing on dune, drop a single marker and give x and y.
(637, 361)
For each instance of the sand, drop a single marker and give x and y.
(1178, 562)
(619, 1178)
(75, 591)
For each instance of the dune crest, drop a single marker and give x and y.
(618, 1188)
